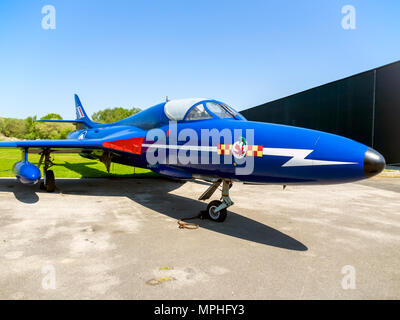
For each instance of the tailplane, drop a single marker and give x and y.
(82, 119)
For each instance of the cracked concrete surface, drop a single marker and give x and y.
(106, 239)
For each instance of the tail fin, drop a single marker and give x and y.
(81, 114)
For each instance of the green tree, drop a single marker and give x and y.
(30, 124)
(32, 130)
(113, 115)
(51, 116)
(13, 127)
(45, 131)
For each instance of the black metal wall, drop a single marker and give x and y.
(364, 107)
(387, 113)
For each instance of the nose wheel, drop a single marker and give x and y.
(217, 209)
(212, 214)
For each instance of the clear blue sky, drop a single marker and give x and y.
(134, 53)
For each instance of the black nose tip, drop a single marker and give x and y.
(374, 163)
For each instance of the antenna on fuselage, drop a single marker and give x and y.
(166, 99)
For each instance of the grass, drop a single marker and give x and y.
(72, 166)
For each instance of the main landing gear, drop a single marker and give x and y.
(49, 181)
(217, 209)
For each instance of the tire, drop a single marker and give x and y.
(50, 181)
(220, 216)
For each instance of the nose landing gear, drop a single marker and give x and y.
(217, 209)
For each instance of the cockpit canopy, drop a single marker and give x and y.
(198, 109)
(181, 110)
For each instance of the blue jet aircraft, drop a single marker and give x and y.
(279, 154)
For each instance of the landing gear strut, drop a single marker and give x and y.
(49, 181)
(217, 209)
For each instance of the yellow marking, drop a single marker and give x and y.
(165, 279)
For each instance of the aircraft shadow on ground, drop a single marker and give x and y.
(154, 193)
(25, 194)
(82, 168)
(87, 172)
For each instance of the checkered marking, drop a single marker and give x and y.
(252, 151)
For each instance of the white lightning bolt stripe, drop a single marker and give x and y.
(182, 147)
(298, 157)
(297, 160)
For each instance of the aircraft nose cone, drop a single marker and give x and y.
(374, 163)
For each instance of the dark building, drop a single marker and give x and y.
(364, 107)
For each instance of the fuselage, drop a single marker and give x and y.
(274, 153)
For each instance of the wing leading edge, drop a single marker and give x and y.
(127, 143)
(44, 144)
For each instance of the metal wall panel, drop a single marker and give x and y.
(343, 107)
(364, 107)
(387, 113)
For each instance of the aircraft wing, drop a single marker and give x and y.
(127, 142)
(68, 145)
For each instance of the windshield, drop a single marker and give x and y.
(220, 111)
(198, 113)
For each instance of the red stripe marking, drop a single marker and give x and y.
(133, 145)
(80, 111)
